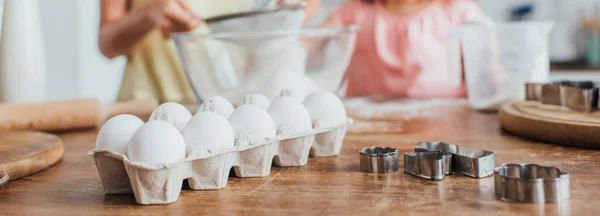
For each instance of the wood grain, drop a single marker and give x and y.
(23, 153)
(551, 124)
(329, 186)
(52, 116)
(68, 115)
(139, 108)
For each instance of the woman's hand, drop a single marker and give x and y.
(122, 27)
(171, 16)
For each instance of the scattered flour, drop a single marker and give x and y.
(365, 108)
(375, 127)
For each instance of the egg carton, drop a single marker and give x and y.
(206, 170)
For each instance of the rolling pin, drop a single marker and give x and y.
(69, 115)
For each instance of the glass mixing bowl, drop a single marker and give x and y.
(234, 64)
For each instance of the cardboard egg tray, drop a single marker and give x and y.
(205, 170)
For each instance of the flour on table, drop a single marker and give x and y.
(407, 109)
(375, 127)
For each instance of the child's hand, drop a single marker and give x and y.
(171, 16)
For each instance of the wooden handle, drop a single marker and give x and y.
(52, 116)
(139, 108)
(68, 115)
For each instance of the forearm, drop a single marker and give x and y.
(119, 36)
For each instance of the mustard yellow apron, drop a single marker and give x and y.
(153, 69)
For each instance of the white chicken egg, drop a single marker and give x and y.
(289, 115)
(173, 113)
(325, 109)
(257, 99)
(217, 104)
(117, 131)
(253, 123)
(157, 142)
(209, 129)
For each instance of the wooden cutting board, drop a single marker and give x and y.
(23, 153)
(551, 124)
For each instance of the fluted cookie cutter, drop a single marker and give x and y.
(379, 160)
(574, 95)
(428, 165)
(531, 183)
(474, 163)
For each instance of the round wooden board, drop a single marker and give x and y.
(23, 153)
(551, 124)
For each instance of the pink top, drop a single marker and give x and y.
(404, 56)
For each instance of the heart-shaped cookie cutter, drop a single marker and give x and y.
(531, 183)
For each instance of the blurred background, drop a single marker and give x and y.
(77, 69)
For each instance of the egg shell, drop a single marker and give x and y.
(117, 131)
(252, 123)
(257, 99)
(217, 104)
(157, 142)
(325, 108)
(173, 113)
(208, 129)
(289, 115)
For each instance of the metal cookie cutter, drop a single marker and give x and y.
(531, 183)
(379, 160)
(466, 161)
(428, 165)
(533, 91)
(575, 95)
(550, 93)
(579, 96)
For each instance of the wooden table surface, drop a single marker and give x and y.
(332, 185)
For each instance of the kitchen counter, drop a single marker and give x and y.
(332, 185)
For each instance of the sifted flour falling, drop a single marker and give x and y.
(273, 66)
